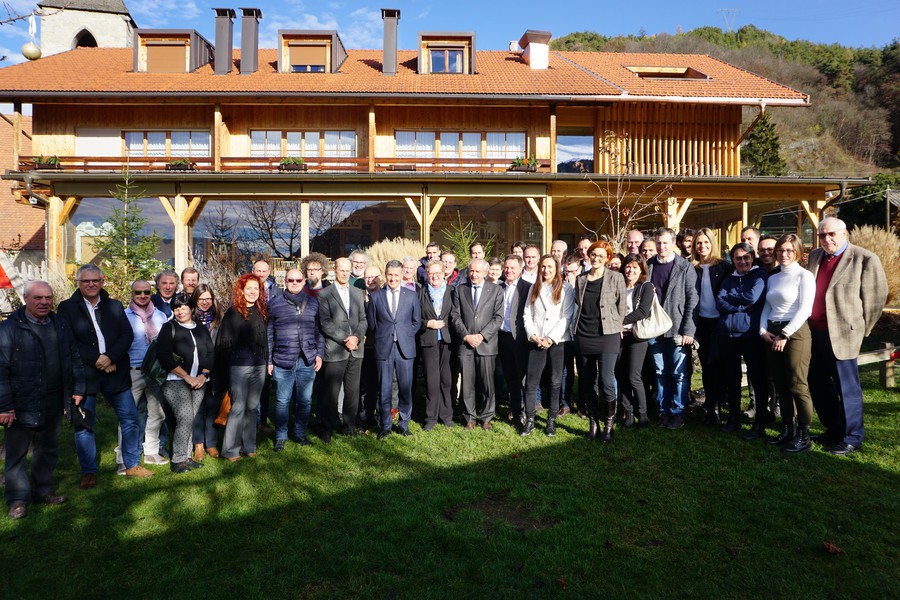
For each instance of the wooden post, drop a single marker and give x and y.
(56, 250)
(304, 227)
(548, 223)
(17, 135)
(886, 369)
(372, 137)
(425, 225)
(745, 216)
(217, 138)
(553, 138)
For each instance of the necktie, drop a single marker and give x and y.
(476, 289)
(393, 303)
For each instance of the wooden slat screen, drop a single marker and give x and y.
(308, 55)
(166, 58)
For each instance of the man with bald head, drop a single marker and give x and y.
(633, 241)
(475, 318)
(851, 289)
(558, 250)
(39, 368)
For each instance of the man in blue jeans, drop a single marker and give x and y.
(675, 281)
(103, 336)
(296, 351)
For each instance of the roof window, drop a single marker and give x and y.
(310, 52)
(667, 73)
(446, 52)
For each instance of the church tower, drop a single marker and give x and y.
(68, 24)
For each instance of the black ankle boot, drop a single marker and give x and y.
(528, 427)
(608, 430)
(786, 435)
(592, 429)
(800, 442)
(758, 431)
(550, 431)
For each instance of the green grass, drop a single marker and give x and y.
(658, 513)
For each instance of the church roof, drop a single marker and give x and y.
(108, 6)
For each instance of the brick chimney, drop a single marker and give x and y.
(250, 40)
(224, 39)
(390, 16)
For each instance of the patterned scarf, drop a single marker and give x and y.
(205, 317)
(146, 317)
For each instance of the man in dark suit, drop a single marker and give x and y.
(103, 336)
(166, 284)
(435, 341)
(513, 342)
(475, 318)
(851, 289)
(395, 315)
(342, 320)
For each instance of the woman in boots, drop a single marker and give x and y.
(600, 298)
(783, 328)
(639, 301)
(547, 316)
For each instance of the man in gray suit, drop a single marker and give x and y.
(851, 290)
(342, 320)
(476, 317)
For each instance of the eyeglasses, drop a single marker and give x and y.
(90, 281)
(742, 258)
(313, 269)
(829, 234)
(204, 299)
(785, 251)
(141, 292)
(296, 280)
(598, 255)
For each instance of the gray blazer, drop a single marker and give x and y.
(613, 302)
(464, 319)
(681, 299)
(336, 325)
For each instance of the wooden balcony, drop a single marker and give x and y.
(244, 164)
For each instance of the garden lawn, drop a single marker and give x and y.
(458, 514)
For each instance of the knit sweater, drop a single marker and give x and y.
(789, 298)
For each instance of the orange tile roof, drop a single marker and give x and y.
(108, 71)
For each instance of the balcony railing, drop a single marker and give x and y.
(239, 164)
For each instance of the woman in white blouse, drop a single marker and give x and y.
(547, 317)
(783, 328)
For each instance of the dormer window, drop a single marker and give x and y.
(310, 52)
(446, 52)
(667, 73)
(170, 51)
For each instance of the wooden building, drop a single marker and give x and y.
(423, 137)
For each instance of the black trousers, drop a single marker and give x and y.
(628, 374)
(752, 349)
(708, 353)
(19, 486)
(438, 404)
(334, 375)
(514, 359)
(369, 388)
(597, 375)
(548, 361)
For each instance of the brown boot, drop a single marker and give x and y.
(213, 452)
(198, 452)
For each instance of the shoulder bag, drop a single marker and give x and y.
(656, 324)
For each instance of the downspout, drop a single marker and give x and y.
(31, 194)
(833, 201)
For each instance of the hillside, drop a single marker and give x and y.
(853, 125)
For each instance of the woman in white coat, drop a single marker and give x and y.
(547, 318)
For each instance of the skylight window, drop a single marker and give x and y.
(667, 73)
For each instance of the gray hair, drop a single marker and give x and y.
(558, 243)
(433, 262)
(359, 253)
(479, 264)
(30, 284)
(839, 224)
(91, 268)
(169, 273)
(393, 264)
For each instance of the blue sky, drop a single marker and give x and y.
(859, 23)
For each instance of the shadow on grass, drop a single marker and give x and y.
(474, 514)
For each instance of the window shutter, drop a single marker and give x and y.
(166, 58)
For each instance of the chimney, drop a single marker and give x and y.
(536, 48)
(224, 39)
(389, 55)
(250, 40)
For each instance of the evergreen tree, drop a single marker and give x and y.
(124, 253)
(763, 150)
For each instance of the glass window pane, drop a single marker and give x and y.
(257, 143)
(471, 145)
(181, 143)
(455, 61)
(496, 145)
(156, 143)
(134, 143)
(437, 61)
(311, 143)
(332, 142)
(348, 143)
(449, 144)
(200, 143)
(425, 144)
(515, 145)
(293, 143)
(405, 143)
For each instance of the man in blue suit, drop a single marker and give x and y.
(394, 314)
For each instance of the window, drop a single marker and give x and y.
(446, 60)
(340, 143)
(506, 145)
(415, 144)
(302, 143)
(459, 144)
(265, 143)
(667, 73)
(166, 57)
(308, 58)
(166, 143)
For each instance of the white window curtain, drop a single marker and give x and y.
(425, 144)
(347, 144)
(293, 143)
(311, 144)
(181, 143)
(515, 145)
(405, 144)
(449, 144)
(134, 143)
(471, 145)
(156, 143)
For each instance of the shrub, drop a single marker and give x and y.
(381, 252)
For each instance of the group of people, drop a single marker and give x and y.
(527, 322)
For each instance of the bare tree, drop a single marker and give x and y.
(324, 217)
(274, 225)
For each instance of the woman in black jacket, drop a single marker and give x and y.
(631, 356)
(186, 352)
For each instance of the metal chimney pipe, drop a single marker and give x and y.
(224, 39)
(390, 16)
(250, 40)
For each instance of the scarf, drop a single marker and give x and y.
(146, 317)
(205, 317)
(299, 300)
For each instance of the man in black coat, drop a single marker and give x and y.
(39, 368)
(513, 350)
(103, 336)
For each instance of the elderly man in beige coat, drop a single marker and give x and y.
(851, 290)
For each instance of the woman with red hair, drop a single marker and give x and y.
(242, 353)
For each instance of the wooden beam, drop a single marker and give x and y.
(745, 214)
(553, 138)
(197, 213)
(168, 206)
(304, 227)
(435, 209)
(68, 207)
(812, 211)
(17, 134)
(217, 138)
(191, 209)
(182, 236)
(414, 209)
(425, 227)
(538, 213)
(56, 248)
(683, 208)
(373, 132)
(548, 223)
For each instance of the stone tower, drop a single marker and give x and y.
(68, 24)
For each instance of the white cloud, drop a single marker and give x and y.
(13, 56)
(160, 13)
(268, 36)
(365, 30)
(362, 30)
(424, 13)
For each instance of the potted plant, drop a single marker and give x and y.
(527, 165)
(46, 162)
(292, 163)
(180, 164)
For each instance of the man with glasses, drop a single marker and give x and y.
(103, 336)
(851, 289)
(146, 323)
(296, 350)
(358, 264)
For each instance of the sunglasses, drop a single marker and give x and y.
(294, 280)
(141, 292)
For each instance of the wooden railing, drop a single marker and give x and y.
(235, 164)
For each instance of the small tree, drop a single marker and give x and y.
(460, 236)
(763, 149)
(125, 254)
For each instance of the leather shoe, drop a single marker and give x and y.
(470, 425)
(50, 499)
(841, 449)
(487, 426)
(233, 459)
(304, 441)
(213, 452)
(825, 439)
(564, 411)
(384, 434)
(17, 510)
(88, 481)
(279, 446)
(406, 433)
(428, 427)
(326, 437)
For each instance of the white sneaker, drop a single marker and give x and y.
(155, 459)
(120, 469)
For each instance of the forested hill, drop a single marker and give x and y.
(853, 126)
